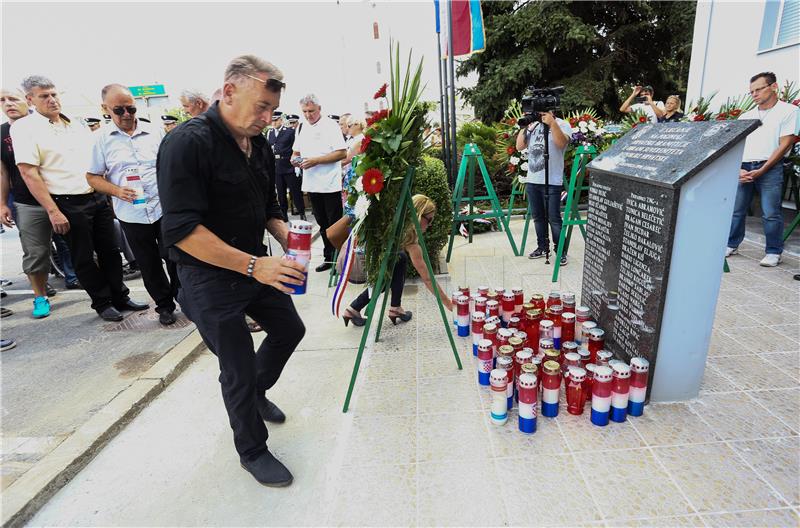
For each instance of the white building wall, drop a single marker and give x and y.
(725, 51)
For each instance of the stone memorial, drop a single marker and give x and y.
(660, 207)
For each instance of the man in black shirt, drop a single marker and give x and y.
(281, 139)
(216, 181)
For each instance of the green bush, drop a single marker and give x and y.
(482, 135)
(431, 180)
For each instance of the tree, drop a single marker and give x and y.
(596, 50)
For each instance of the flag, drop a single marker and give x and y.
(468, 32)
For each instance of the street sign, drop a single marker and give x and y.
(150, 90)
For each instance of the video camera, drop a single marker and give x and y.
(536, 100)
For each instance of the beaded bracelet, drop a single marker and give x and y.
(251, 266)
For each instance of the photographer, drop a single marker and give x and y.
(532, 139)
(642, 97)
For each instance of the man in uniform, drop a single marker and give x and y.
(281, 139)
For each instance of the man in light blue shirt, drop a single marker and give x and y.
(123, 165)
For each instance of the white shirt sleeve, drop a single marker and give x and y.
(790, 124)
(97, 160)
(297, 146)
(26, 150)
(336, 139)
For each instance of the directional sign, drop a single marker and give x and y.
(150, 90)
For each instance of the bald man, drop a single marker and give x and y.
(123, 165)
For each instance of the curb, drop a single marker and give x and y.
(25, 496)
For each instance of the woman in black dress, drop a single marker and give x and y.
(672, 110)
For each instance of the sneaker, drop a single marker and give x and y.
(5, 312)
(771, 260)
(564, 260)
(129, 273)
(41, 307)
(49, 290)
(539, 253)
(731, 251)
(7, 344)
(5, 282)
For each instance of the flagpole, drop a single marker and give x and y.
(445, 114)
(452, 90)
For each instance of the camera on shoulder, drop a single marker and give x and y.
(537, 100)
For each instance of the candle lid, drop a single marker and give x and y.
(546, 343)
(505, 362)
(478, 316)
(602, 373)
(462, 299)
(527, 381)
(568, 316)
(498, 377)
(515, 341)
(484, 343)
(523, 356)
(596, 333)
(640, 364)
(545, 323)
(621, 370)
(300, 226)
(583, 311)
(508, 296)
(572, 356)
(505, 350)
(569, 346)
(505, 332)
(551, 367)
(489, 328)
(577, 374)
(528, 368)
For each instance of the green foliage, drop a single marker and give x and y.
(596, 50)
(431, 180)
(482, 135)
(178, 113)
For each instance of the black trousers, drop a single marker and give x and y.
(91, 230)
(216, 301)
(327, 209)
(290, 180)
(147, 245)
(397, 284)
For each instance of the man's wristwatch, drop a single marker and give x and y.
(251, 266)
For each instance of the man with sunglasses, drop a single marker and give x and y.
(762, 165)
(51, 153)
(216, 180)
(123, 166)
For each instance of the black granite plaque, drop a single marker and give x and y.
(633, 205)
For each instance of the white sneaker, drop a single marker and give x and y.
(771, 260)
(731, 251)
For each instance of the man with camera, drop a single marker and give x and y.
(541, 125)
(642, 99)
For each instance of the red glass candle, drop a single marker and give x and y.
(576, 390)
(537, 299)
(553, 299)
(490, 333)
(515, 342)
(507, 306)
(603, 358)
(545, 329)
(522, 335)
(551, 388)
(571, 361)
(492, 308)
(513, 322)
(587, 383)
(568, 302)
(483, 291)
(532, 320)
(518, 298)
(480, 304)
(502, 336)
(586, 327)
(582, 315)
(596, 342)
(567, 327)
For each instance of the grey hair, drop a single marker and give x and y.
(250, 65)
(36, 81)
(194, 95)
(309, 99)
(113, 86)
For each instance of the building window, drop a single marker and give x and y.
(781, 24)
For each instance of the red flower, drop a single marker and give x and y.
(573, 122)
(634, 125)
(700, 117)
(511, 169)
(505, 135)
(373, 181)
(511, 150)
(365, 143)
(796, 102)
(587, 117)
(377, 116)
(735, 112)
(381, 92)
(643, 119)
(722, 117)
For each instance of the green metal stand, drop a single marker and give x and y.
(333, 276)
(389, 259)
(472, 159)
(572, 216)
(791, 227)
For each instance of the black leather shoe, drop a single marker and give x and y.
(73, 285)
(110, 314)
(132, 306)
(324, 266)
(269, 412)
(49, 290)
(166, 318)
(268, 471)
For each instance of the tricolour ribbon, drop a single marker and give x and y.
(349, 256)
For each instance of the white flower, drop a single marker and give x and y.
(592, 126)
(524, 166)
(582, 126)
(361, 207)
(359, 185)
(600, 131)
(524, 154)
(514, 160)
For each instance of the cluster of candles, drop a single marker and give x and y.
(527, 351)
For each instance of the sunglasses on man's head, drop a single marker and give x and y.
(273, 85)
(120, 110)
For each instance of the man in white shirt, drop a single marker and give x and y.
(531, 139)
(123, 165)
(51, 153)
(318, 149)
(642, 97)
(762, 165)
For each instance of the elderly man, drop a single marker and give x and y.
(344, 125)
(762, 166)
(123, 165)
(194, 102)
(281, 139)
(51, 153)
(318, 149)
(216, 179)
